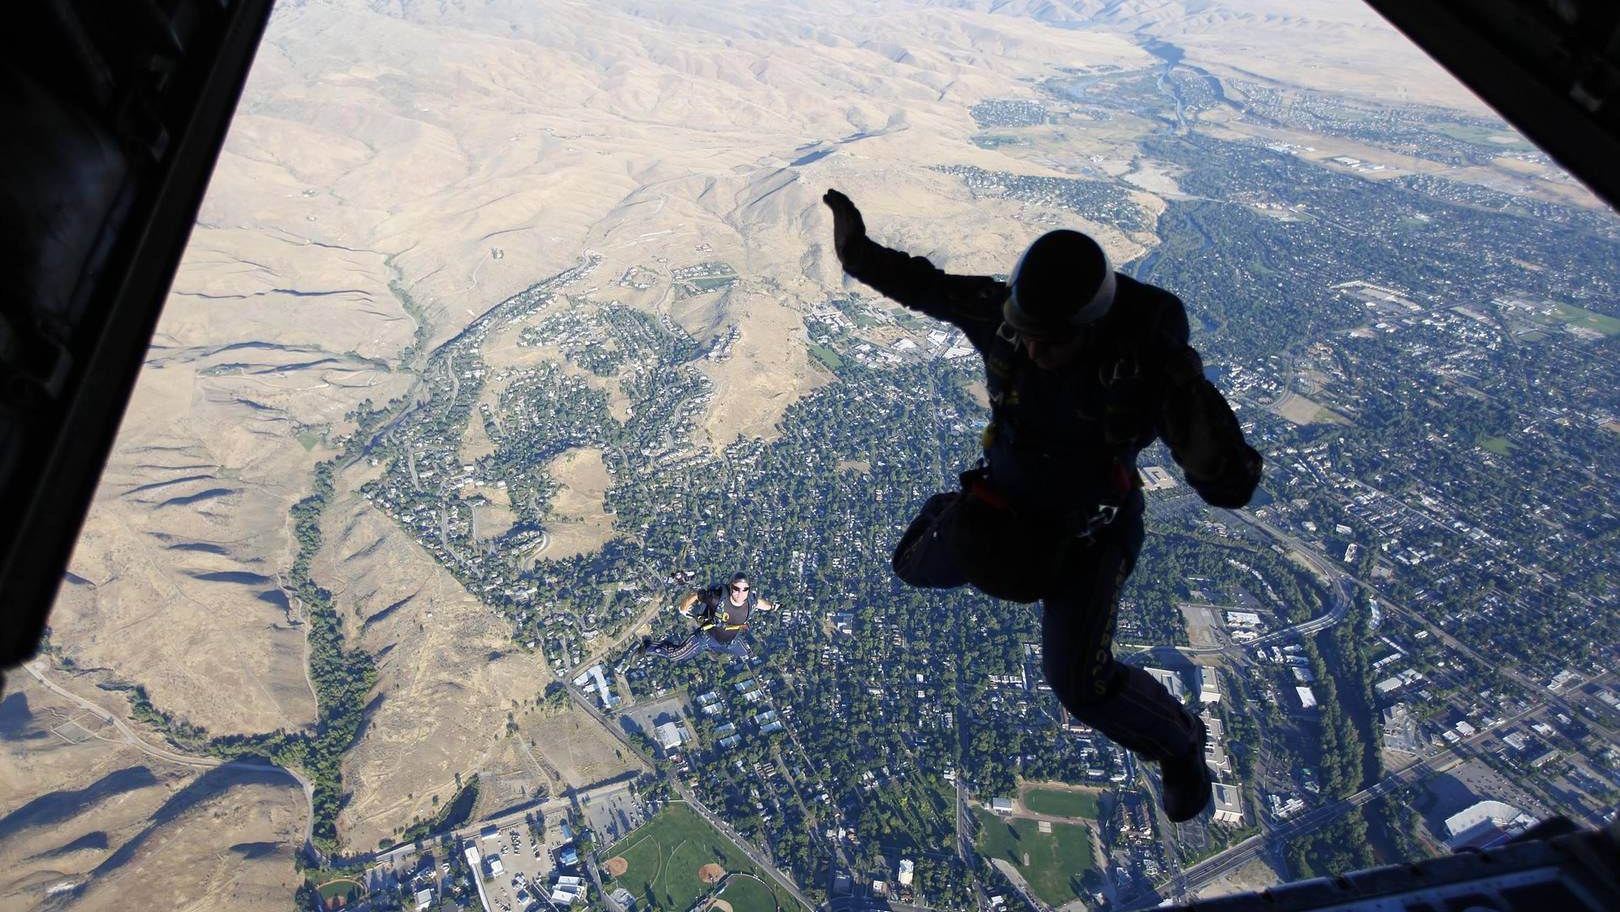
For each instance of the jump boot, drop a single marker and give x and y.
(1188, 789)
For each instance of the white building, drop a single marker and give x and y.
(671, 736)
(1228, 804)
(602, 688)
(1215, 745)
(472, 862)
(1155, 478)
(906, 868)
(1478, 824)
(1170, 680)
(1401, 729)
(1209, 686)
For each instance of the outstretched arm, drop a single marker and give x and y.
(972, 303)
(764, 605)
(1197, 424)
(684, 606)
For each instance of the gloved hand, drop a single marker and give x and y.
(1196, 430)
(849, 229)
(1206, 439)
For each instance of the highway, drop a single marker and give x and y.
(1185, 883)
(1340, 598)
(1325, 568)
(1211, 869)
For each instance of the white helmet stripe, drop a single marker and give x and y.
(1099, 303)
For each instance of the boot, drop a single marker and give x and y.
(634, 655)
(1143, 718)
(1186, 782)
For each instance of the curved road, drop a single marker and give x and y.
(1340, 598)
(1210, 869)
(194, 761)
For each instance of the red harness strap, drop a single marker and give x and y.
(1121, 479)
(1124, 479)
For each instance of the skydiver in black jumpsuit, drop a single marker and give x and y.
(722, 613)
(1084, 368)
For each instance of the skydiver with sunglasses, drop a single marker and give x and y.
(722, 613)
(1084, 368)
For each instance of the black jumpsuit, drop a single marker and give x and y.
(1061, 444)
(717, 615)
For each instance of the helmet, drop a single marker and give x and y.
(1061, 284)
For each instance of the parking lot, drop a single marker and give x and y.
(527, 866)
(611, 813)
(645, 718)
(416, 866)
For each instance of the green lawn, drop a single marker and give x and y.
(1057, 860)
(711, 283)
(1062, 803)
(997, 140)
(343, 886)
(748, 895)
(827, 356)
(665, 854)
(1591, 319)
(1481, 135)
(1501, 446)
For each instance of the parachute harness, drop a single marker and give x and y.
(714, 622)
(717, 617)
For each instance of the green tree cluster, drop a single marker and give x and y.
(342, 678)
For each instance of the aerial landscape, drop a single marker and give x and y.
(503, 325)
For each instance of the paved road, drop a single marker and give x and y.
(194, 761)
(1210, 869)
(610, 654)
(1340, 596)
(1018, 883)
(471, 830)
(1507, 669)
(128, 734)
(753, 854)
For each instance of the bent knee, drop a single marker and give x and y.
(1081, 684)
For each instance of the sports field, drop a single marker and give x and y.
(346, 887)
(664, 861)
(1057, 860)
(1062, 802)
(747, 895)
(1579, 316)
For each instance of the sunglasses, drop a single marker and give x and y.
(739, 588)
(1020, 337)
